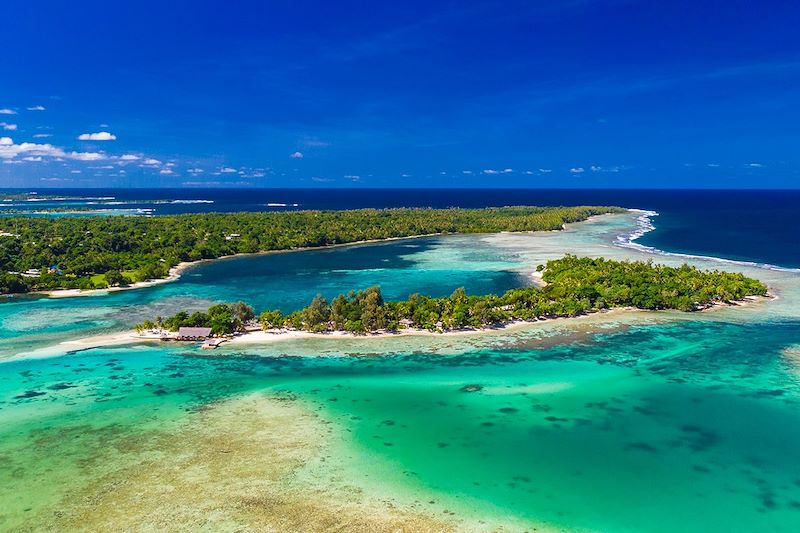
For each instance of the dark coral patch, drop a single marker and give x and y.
(641, 446)
(29, 394)
(61, 386)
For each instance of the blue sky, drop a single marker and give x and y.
(577, 93)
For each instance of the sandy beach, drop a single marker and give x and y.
(266, 337)
(272, 336)
(256, 338)
(174, 273)
(276, 335)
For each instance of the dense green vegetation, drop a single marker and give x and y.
(574, 286)
(95, 252)
(223, 319)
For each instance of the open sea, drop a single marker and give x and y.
(638, 422)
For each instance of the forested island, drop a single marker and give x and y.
(99, 252)
(572, 286)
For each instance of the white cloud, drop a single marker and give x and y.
(712, 165)
(166, 172)
(99, 136)
(508, 170)
(296, 155)
(7, 111)
(36, 108)
(491, 171)
(597, 168)
(129, 157)
(227, 170)
(321, 180)
(152, 162)
(34, 159)
(529, 172)
(86, 156)
(545, 170)
(755, 165)
(577, 170)
(42, 135)
(313, 142)
(353, 177)
(195, 171)
(10, 150)
(8, 127)
(215, 183)
(467, 172)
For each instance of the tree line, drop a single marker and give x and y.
(223, 319)
(98, 252)
(572, 286)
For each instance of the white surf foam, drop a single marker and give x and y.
(644, 225)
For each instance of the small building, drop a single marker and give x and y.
(406, 323)
(193, 334)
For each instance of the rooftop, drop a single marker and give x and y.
(194, 332)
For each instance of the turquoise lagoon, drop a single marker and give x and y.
(284, 280)
(620, 422)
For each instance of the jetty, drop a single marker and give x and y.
(210, 344)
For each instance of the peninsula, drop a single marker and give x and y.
(572, 286)
(41, 254)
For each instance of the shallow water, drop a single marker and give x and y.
(637, 422)
(289, 281)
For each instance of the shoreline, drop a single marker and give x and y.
(264, 337)
(174, 274)
(277, 335)
(272, 336)
(176, 271)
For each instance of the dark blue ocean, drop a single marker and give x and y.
(750, 225)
